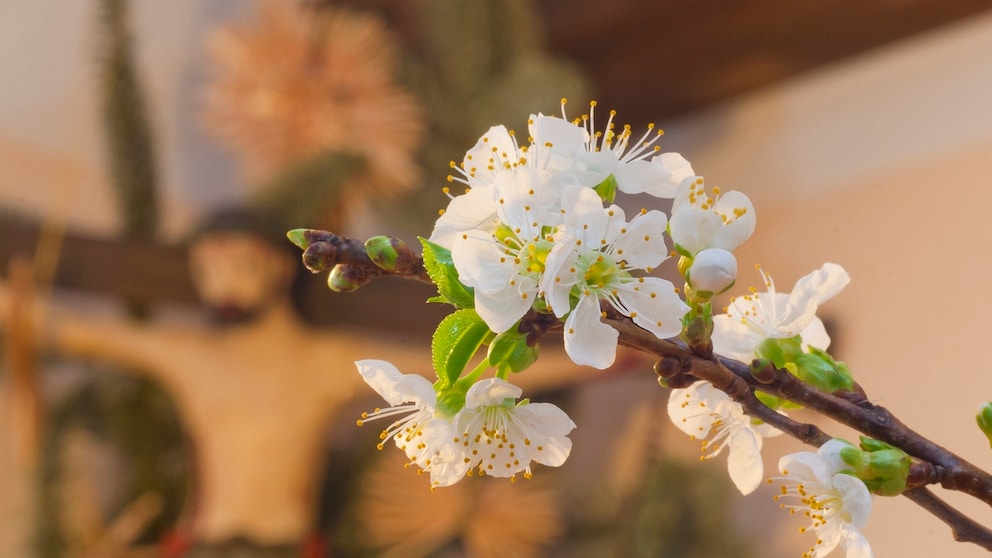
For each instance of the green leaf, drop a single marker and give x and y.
(456, 340)
(607, 189)
(509, 350)
(437, 262)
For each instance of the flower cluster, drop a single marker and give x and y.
(537, 230)
(537, 237)
(492, 434)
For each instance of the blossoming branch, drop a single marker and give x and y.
(536, 244)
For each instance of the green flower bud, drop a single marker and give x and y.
(345, 278)
(390, 254)
(303, 238)
(320, 256)
(298, 237)
(776, 403)
(984, 419)
(885, 467)
(509, 350)
(818, 369)
(697, 328)
(780, 351)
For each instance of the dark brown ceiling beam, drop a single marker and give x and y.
(655, 59)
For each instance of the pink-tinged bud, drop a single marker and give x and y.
(713, 270)
(320, 256)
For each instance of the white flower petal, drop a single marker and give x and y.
(495, 151)
(491, 391)
(733, 338)
(501, 309)
(553, 451)
(855, 544)
(583, 216)
(481, 263)
(642, 245)
(654, 305)
(811, 291)
(394, 386)
(815, 335)
(588, 341)
(688, 410)
(805, 465)
(830, 453)
(828, 536)
(677, 169)
(659, 177)
(558, 134)
(738, 229)
(857, 499)
(557, 281)
(550, 419)
(744, 460)
(476, 209)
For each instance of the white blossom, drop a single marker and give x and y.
(500, 437)
(593, 263)
(505, 265)
(752, 318)
(708, 414)
(592, 155)
(421, 432)
(837, 504)
(701, 220)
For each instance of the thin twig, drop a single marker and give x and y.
(963, 528)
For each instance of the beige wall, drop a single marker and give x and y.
(882, 165)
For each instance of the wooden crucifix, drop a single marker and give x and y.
(256, 389)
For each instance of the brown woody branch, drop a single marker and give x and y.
(325, 250)
(680, 367)
(736, 379)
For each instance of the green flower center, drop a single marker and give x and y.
(600, 271)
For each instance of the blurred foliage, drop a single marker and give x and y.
(128, 134)
(135, 417)
(304, 194)
(673, 514)
(479, 64)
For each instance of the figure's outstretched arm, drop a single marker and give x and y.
(139, 347)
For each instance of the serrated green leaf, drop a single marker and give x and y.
(456, 340)
(437, 262)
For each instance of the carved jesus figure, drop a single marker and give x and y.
(256, 393)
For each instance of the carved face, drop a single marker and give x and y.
(239, 274)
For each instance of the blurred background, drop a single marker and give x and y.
(862, 131)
